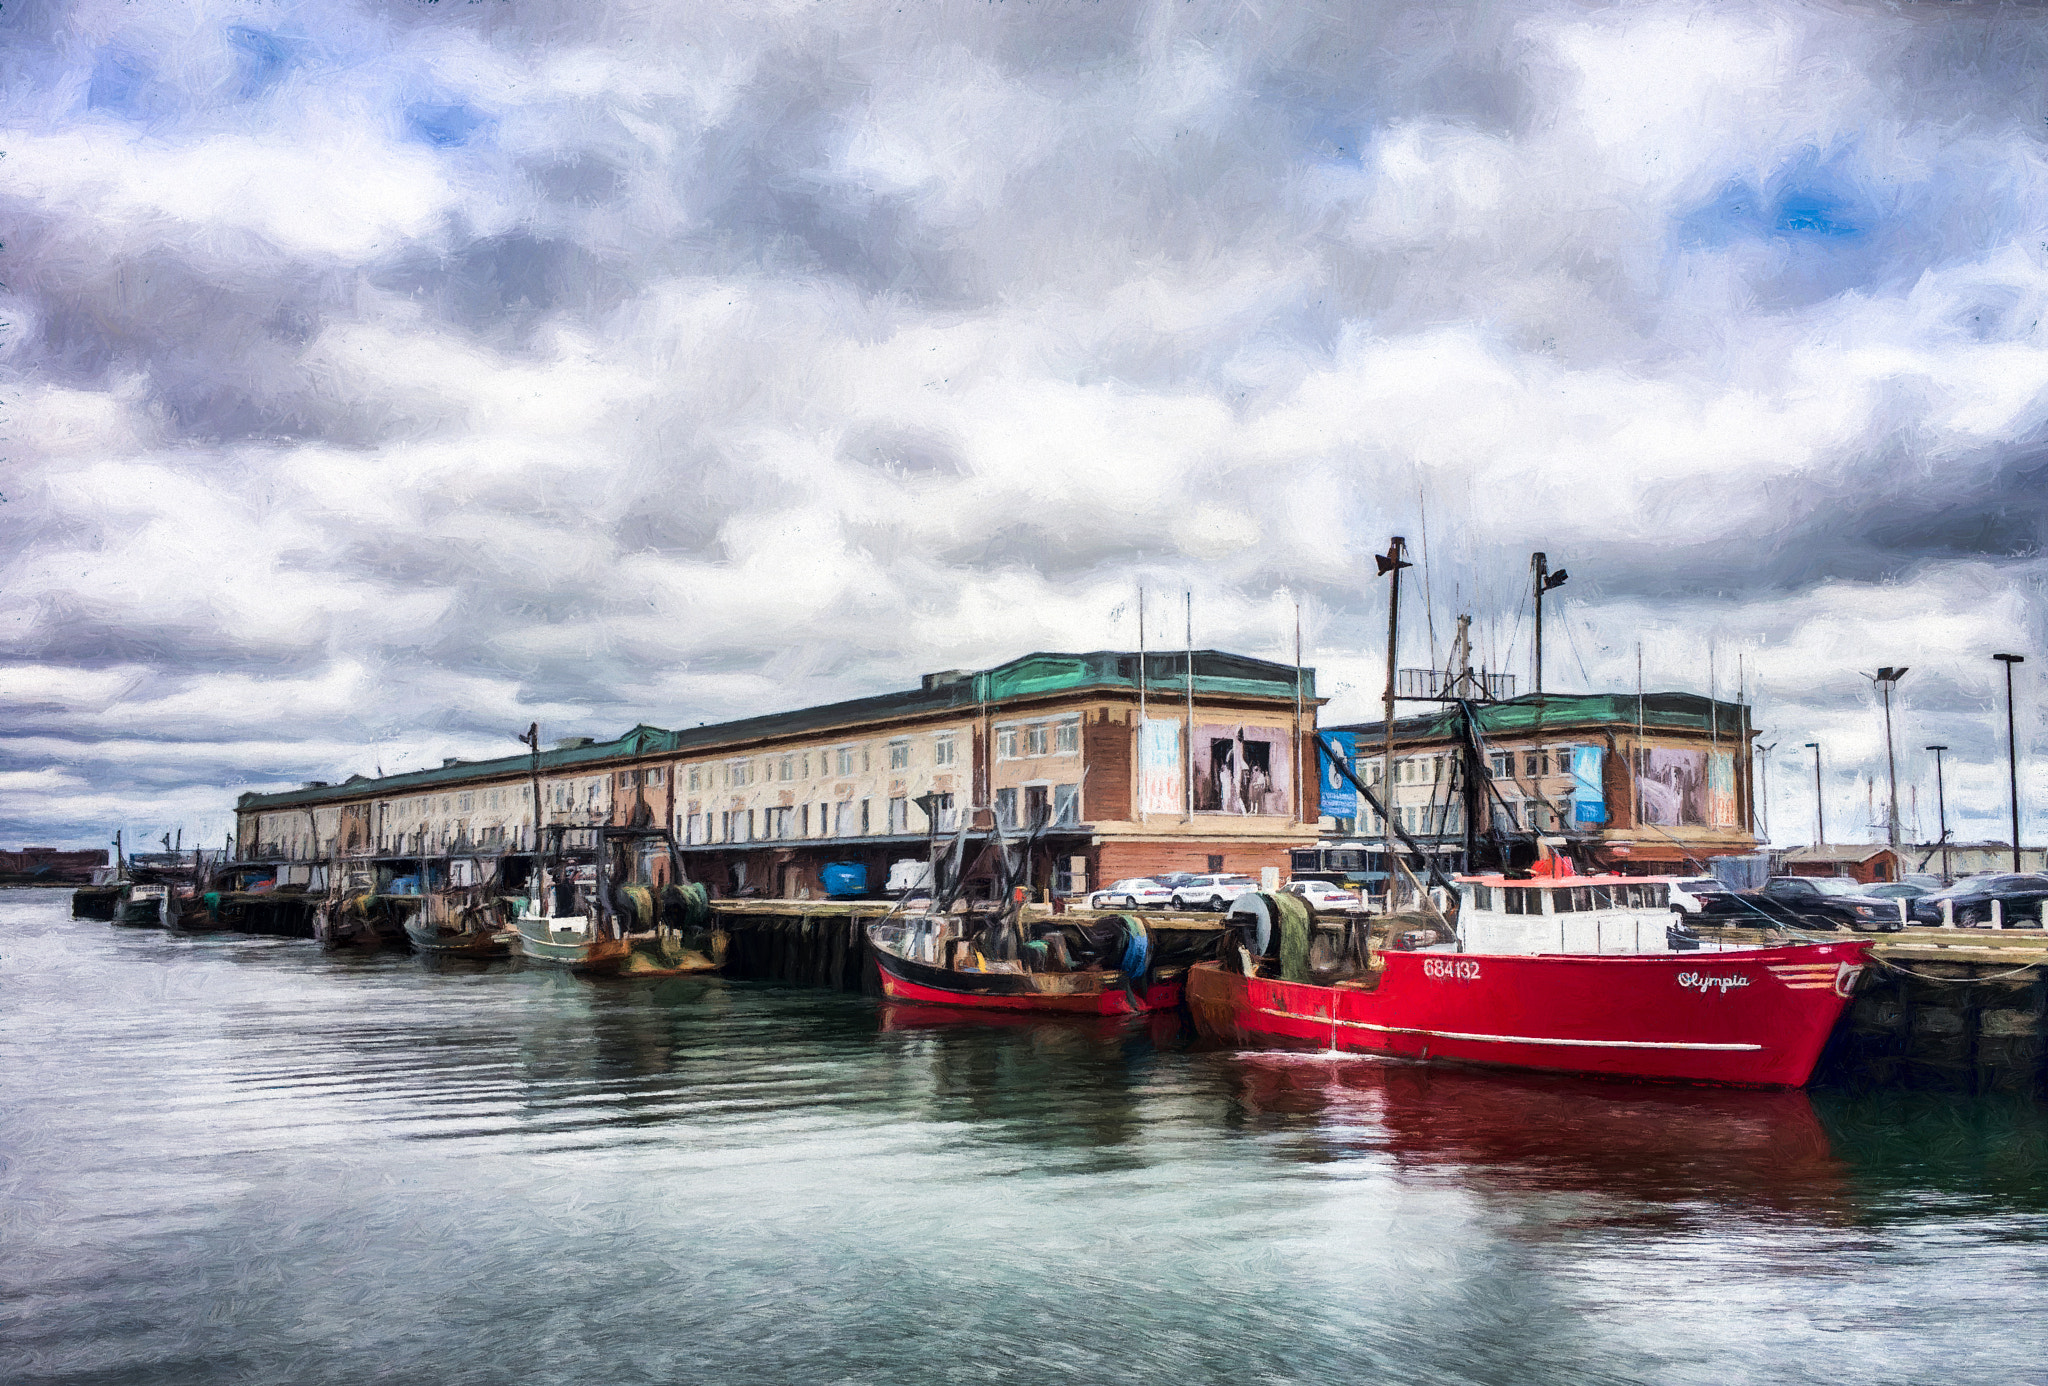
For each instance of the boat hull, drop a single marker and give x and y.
(1753, 1018)
(637, 955)
(1052, 993)
(475, 943)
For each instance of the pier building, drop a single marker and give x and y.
(1113, 765)
(1650, 784)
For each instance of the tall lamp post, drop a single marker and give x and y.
(1941, 808)
(2012, 753)
(1762, 798)
(1885, 678)
(1820, 821)
(1543, 580)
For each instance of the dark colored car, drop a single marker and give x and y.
(1897, 890)
(1805, 902)
(2020, 895)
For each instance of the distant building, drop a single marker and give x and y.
(1648, 785)
(49, 865)
(1869, 863)
(1049, 744)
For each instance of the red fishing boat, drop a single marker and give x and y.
(1073, 967)
(1576, 974)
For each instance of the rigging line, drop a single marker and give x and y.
(1521, 608)
(1428, 592)
(1572, 640)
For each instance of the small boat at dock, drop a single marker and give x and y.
(1073, 966)
(1574, 974)
(604, 924)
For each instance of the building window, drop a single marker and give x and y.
(789, 767)
(1535, 764)
(1006, 808)
(696, 778)
(942, 751)
(693, 828)
(842, 818)
(948, 817)
(899, 814)
(778, 823)
(899, 755)
(807, 764)
(1006, 743)
(739, 773)
(1067, 738)
(865, 828)
(845, 760)
(467, 801)
(1034, 740)
(1037, 806)
(654, 777)
(1066, 804)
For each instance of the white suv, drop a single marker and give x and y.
(1211, 892)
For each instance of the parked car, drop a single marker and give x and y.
(1173, 880)
(2019, 894)
(1689, 897)
(1138, 893)
(1897, 890)
(1325, 897)
(1805, 902)
(1211, 892)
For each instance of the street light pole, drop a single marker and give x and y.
(1820, 821)
(1543, 580)
(1885, 678)
(1762, 799)
(1941, 808)
(2012, 753)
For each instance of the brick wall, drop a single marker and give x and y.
(1116, 861)
(1106, 751)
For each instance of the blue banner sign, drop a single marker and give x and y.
(1339, 799)
(1589, 795)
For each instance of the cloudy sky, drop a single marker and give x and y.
(378, 378)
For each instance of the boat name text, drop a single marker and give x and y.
(1707, 981)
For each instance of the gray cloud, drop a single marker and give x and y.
(377, 378)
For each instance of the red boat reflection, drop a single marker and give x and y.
(1755, 1148)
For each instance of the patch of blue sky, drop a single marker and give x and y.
(121, 83)
(445, 125)
(261, 58)
(1812, 199)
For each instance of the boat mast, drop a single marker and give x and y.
(540, 860)
(1143, 814)
(1390, 565)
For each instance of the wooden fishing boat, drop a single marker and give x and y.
(1579, 975)
(943, 960)
(146, 905)
(608, 926)
(462, 923)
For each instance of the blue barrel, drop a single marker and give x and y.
(845, 878)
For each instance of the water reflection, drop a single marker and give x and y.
(253, 1161)
(1669, 1151)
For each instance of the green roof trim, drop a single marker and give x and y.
(1538, 713)
(1216, 674)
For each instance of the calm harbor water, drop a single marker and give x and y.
(249, 1161)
